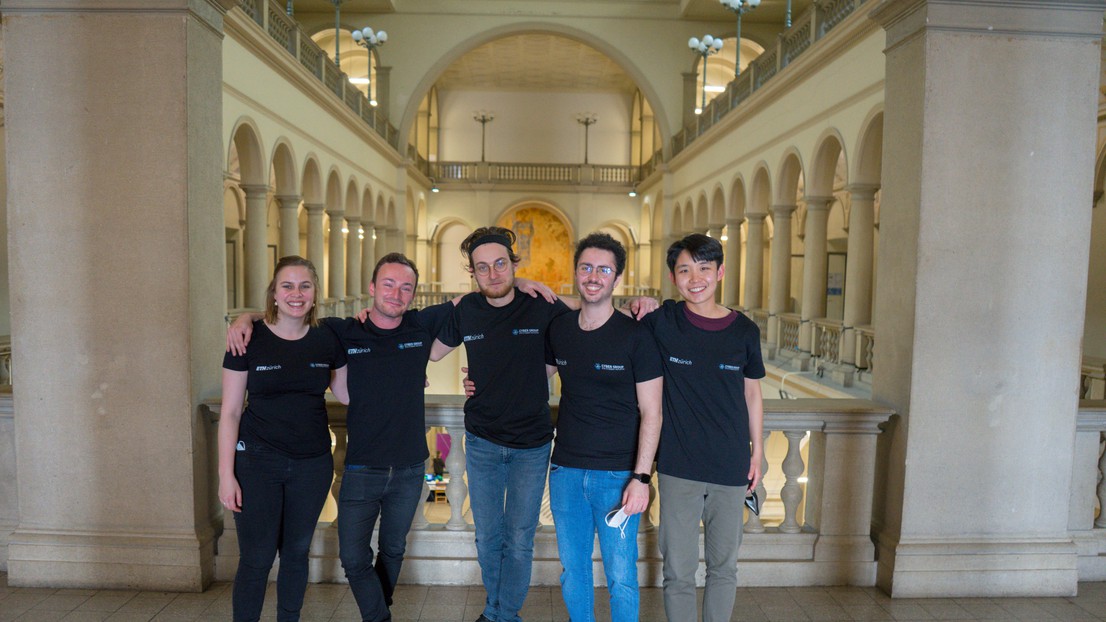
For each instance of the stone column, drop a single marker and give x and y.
(732, 282)
(691, 97)
(779, 289)
(112, 452)
(315, 251)
(668, 288)
(980, 295)
(368, 256)
(858, 269)
(353, 257)
(814, 272)
(395, 240)
(289, 224)
(336, 279)
(754, 262)
(715, 232)
(257, 263)
(383, 89)
(656, 259)
(381, 242)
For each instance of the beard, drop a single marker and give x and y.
(493, 292)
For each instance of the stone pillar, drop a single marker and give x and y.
(336, 279)
(732, 282)
(112, 453)
(656, 259)
(353, 257)
(383, 89)
(858, 268)
(691, 97)
(980, 457)
(368, 256)
(381, 242)
(257, 232)
(754, 263)
(395, 240)
(315, 251)
(779, 289)
(289, 224)
(668, 288)
(715, 232)
(814, 271)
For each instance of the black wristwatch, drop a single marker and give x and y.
(644, 478)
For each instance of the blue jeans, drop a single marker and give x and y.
(282, 498)
(505, 490)
(580, 500)
(391, 494)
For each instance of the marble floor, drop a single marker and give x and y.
(328, 602)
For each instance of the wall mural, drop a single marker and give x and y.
(543, 244)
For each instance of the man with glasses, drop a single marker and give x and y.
(507, 424)
(608, 425)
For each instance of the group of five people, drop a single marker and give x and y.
(680, 387)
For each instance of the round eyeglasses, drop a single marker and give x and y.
(586, 268)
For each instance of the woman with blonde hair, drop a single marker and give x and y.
(275, 466)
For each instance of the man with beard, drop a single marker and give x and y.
(507, 423)
(608, 425)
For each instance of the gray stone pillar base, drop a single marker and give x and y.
(136, 561)
(979, 568)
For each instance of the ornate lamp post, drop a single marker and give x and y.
(370, 40)
(483, 117)
(740, 7)
(587, 119)
(705, 48)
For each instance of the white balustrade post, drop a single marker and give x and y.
(792, 494)
(1100, 490)
(753, 524)
(456, 491)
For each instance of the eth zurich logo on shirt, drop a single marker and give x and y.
(476, 337)
(266, 368)
(526, 331)
(359, 350)
(561, 362)
(679, 361)
(609, 367)
(725, 367)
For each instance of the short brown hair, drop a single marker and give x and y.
(483, 235)
(399, 258)
(270, 293)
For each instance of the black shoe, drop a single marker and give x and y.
(484, 618)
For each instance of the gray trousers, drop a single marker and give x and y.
(721, 509)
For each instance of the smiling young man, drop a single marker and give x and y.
(507, 424)
(385, 458)
(711, 439)
(608, 425)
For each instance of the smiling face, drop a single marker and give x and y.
(393, 289)
(594, 286)
(493, 269)
(294, 293)
(696, 280)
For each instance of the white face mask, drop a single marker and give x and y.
(617, 519)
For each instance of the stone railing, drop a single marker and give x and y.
(1087, 505)
(789, 324)
(827, 340)
(270, 16)
(806, 29)
(1092, 378)
(5, 361)
(760, 317)
(814, 527)
(865, 348)
(534, 173)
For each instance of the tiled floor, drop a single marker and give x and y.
(325, 603)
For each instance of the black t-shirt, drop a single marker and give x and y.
(286, 380)
(386, 420)
(598, 418)
(506, 351)
(705, 433)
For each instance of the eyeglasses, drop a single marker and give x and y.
(483, 269)
(585, 269)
